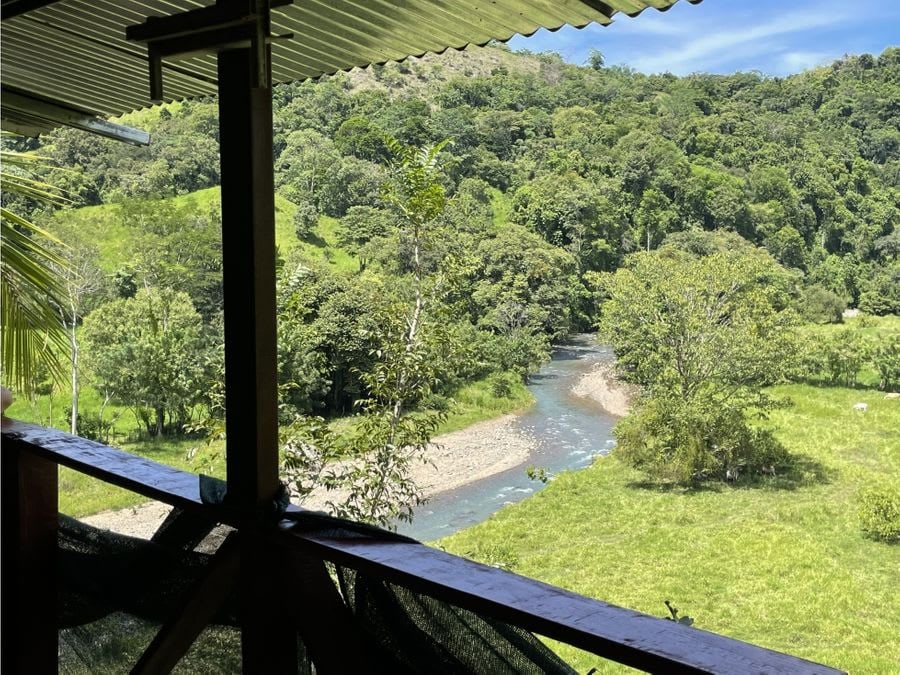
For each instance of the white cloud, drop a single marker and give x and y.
(720, 45)
(795, 61)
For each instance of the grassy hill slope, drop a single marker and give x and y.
(106, 227)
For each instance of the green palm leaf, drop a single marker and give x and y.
(31, 332)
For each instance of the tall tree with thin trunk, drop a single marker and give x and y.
(81, 279)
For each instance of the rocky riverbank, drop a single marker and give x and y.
(455, 459)
(603, 386)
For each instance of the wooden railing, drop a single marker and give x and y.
(30, 458)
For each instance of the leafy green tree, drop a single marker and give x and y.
(362, 224)
(360, 137)
(376, 476)
(787, 247)
(303, 163)
(177, 246)
(881, 291)
(306, 217)
(149, 351)
(819, 305)
(595, 59)
(843, 356)
(349, 182)
(702, 335)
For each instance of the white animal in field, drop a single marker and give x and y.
(861, 407)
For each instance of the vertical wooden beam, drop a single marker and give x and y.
(30, 522)
(248, 250)
(268, 638)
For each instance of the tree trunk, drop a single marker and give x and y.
(160, 420)
(73, 343)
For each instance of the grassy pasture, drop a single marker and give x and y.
(778, 561)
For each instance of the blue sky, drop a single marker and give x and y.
(776, 37)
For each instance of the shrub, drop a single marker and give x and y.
(305, 219)
(435, 402)
(675, 440)
(820, 305)
(843, 356)
(879, 513)
(501, 384)
(92, 426)
(886, 359)
(866, 321)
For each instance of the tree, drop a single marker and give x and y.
(82, 281)
(702, 335)
(389, 439)
(886, 358)
(149, 351)
(595, 59)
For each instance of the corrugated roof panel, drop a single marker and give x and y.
(75, 51)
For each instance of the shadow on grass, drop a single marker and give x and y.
(315, 240)
(801, 471)
(828, 384)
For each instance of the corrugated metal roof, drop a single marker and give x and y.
(75, 52)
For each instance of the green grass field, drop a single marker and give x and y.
(781, 563)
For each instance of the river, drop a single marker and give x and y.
(570, 432)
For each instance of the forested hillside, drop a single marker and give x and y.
(554, 172)
(440, 223)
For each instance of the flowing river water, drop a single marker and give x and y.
(569, 433)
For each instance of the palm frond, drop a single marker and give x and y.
(31, 287)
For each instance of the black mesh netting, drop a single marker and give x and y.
(116, 591)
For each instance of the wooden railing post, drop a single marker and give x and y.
(30, 521)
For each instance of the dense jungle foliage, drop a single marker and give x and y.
(554, 173)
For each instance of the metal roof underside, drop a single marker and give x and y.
(74, 52)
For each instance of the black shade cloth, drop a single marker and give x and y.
(116, 591)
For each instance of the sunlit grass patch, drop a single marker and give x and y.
(779, 563)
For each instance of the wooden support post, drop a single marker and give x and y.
(196, 611)
(268, 639)
(268, 633)
(248, 252)
(30, 522)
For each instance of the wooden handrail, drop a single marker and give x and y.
(612, 632)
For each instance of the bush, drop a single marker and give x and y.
(886, 359)
(92, 426)
(435, 402)
(843, 356)
(879, 513)
(820, 305)
(866, 321)
(684, 442)
(305, 219)
(502, 384)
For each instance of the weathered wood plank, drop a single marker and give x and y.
(114, 466)
(175, 638)
(615, 633)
